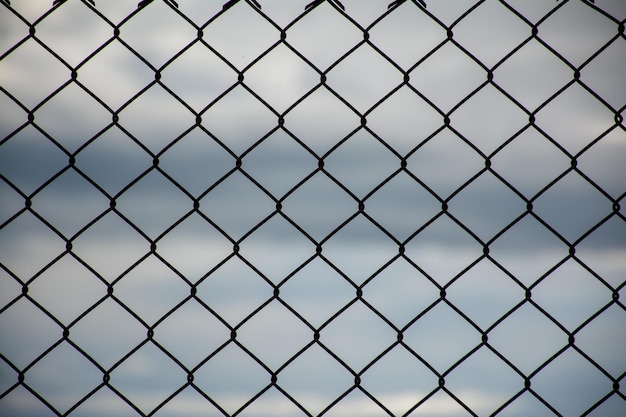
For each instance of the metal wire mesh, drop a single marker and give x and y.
(286, 199)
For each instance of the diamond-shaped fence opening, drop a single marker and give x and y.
(253, 208)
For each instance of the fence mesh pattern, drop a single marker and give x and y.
(120, 304)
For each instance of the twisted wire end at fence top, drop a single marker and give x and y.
(256, 4)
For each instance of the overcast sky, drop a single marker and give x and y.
(343, 176)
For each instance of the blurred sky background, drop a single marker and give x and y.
(199, 134)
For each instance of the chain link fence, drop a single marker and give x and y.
(327, 208)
